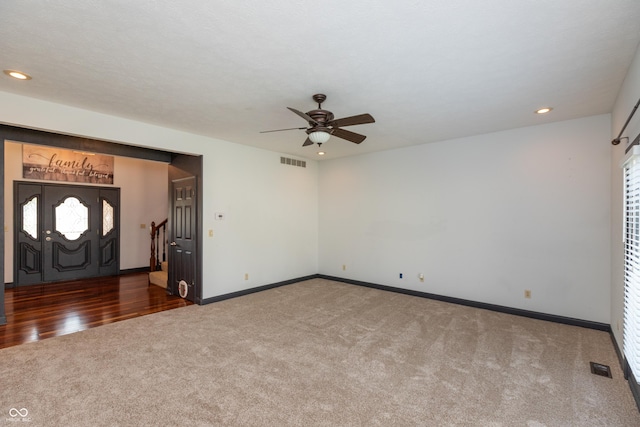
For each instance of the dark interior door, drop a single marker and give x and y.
(65, 232)
(182, 249)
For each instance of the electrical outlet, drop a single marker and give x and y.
(246, 276)
(143, 226)
(527, 293)
(210, 233)
(344, 267)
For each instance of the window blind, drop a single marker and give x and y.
(631, 329)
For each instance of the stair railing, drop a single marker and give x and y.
(154, 262)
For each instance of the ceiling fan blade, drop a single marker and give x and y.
(280, 130)
(303, 115)
(360, 119)
(307, 142)
(348, 135)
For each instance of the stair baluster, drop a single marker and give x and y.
(154, 261)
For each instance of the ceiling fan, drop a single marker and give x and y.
(322, 124)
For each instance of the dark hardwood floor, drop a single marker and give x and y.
(38, 312)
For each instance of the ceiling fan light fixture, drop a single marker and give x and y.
(319, 137)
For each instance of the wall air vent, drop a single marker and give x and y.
(293, 162)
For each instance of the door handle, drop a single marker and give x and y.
(173, 244)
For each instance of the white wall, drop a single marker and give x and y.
(271, 230)
(626, 100)
(143, 198)
(483, 218)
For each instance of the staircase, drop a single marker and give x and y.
(158, 273)
(160, 277)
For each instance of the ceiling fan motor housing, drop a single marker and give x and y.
(322, 117)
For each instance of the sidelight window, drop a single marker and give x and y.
(30, 217)
(107, 217)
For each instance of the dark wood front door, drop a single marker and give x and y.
(182, 249)
(65, 232)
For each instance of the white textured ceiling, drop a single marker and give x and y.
(426, 70)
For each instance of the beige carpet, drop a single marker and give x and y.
(318, 353)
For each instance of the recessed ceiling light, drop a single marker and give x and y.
(544, 110)
(17, 74)
(320, 153)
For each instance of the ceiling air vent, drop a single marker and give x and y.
(293, 162)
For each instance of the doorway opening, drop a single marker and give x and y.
(180, 165)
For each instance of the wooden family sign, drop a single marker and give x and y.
(55, 164)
